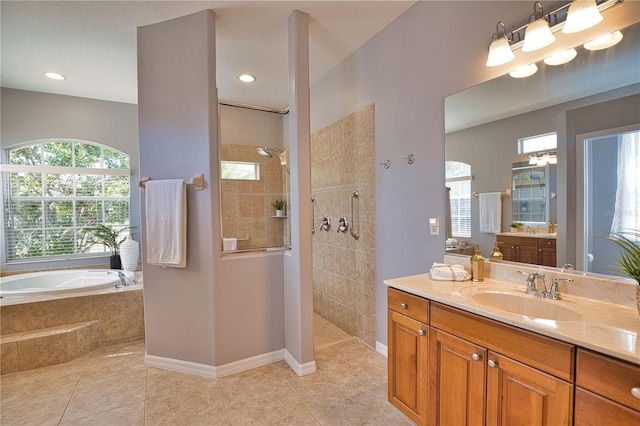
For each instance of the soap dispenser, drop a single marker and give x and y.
(477, 266)
(497, 254)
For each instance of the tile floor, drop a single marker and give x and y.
(112, 386)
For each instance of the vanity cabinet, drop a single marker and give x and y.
(532, 250)
(607, 390)
(408, 353)
(546, 251)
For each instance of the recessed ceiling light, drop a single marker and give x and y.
(247, 78)
(55, 76)
(524, 71)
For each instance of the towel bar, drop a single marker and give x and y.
(197, 182)
(506, 193)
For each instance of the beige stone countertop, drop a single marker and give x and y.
(608, 328)
(548, 235)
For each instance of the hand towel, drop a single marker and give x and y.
(166, 217)
(229, 244)
(490, 212)
(446, 272)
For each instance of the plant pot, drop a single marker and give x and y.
(279, 213)
(114, 262)
(514, 229)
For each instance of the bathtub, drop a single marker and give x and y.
(55, 282)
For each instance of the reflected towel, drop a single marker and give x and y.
(229, 244)
(166, 216)
(490, 212)
(446, 272)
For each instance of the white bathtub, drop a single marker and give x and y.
(54, 282)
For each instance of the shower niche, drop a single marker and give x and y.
(254, 176)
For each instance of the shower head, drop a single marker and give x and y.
(264, 152)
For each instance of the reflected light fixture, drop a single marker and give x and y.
(55, 76)
(604, 42)
(524, 71)
(561, 57)
(499, 50)
(543, 158)
(247, 78)
(582, 14)
(538, 34)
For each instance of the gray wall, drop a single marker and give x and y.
(28, 116)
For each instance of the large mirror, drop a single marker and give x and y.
(598, 93)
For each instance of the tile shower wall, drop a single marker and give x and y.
(342, 161)
(247, 213)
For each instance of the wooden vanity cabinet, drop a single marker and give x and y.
(408, 353)
(546, 251)
(604, 391)
(535, 251)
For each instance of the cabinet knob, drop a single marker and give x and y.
(636, 392)
(491, 363)
(404, 306)
(422, 332)
(476, 357)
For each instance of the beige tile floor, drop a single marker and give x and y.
(112, 386)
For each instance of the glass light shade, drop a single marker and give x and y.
(247, 78)
(604, 42)
(524, 71)
(499, 52)
(537, 35)
(553, 159)
(582, 14)
(561, 57)
(533, 160)
(55, 76)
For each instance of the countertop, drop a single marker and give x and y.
(608, 328)
(547, 235)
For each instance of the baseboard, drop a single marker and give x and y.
(299, 369)
(381, 349)
(211, 371)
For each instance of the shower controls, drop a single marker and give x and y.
(325, 225)
(343, 224)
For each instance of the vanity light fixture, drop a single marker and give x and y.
(582, 14)
(604, 42)
(543, 158)
(561, 57)
(499, 49)
(524, 71)
(247, 78)
(55, 76)
(538, 34)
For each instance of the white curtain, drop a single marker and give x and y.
(627, 209)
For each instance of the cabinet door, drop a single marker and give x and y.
(527, 254)
(595, 410)
(520, 395)
(408, 365)
(457, 380)
(508, 251)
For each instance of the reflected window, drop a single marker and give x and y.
(239, 171)
(529, 194)
(538, 143)
(458, 178)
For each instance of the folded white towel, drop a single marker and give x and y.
(446, 272)
(166, 217)
(490, 212)
(229, 244)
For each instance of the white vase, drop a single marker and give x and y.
(129, 252)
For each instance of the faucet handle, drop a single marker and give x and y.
(554, 293)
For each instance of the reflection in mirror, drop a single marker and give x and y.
(254, 177)
(532, 189)
(598, 90)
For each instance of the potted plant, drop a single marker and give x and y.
(279, 206)
(629, 260)
(516, 226)
(109, 237)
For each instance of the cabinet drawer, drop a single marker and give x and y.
(541, 352)
(517, 241)
(407, 304)
(594, 410)
(608, 377)
(546, 243)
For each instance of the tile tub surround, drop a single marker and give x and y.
(113, 386)
(49, 329)
(607, 327)
(342, 161)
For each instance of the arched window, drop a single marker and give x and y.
(458, 178)
(55, 190)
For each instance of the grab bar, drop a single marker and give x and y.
(313, 214)
(354, 234)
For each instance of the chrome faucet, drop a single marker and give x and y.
(532, 288)
(555, 291)
(121, 277)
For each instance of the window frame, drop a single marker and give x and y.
(467, 218)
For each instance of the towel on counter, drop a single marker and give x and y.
(446, 272)
(490, 212)
(166, 215)
(229, 244)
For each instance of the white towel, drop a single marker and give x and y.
(490, 212)
(446, 272)
(229, 244)
(166, 214)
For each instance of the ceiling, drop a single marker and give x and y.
(93, 43)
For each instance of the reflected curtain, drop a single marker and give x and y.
(626, 216)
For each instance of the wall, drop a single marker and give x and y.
(28, 116)
(342, 161)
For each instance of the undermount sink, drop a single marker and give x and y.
(526, 306)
